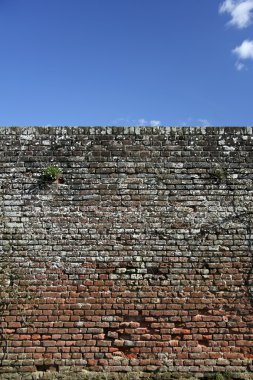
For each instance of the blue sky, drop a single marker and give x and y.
(126, 62)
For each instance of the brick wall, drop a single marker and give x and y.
(141, 259)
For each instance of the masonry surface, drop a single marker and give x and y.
(140, 259)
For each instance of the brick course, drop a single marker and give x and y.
(141, 260)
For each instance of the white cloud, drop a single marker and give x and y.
(142, 121)
(135, 122)
(240, 12)
(195, 122)
(155, 123)
(245, 50)
(240, 66)
(204, 122)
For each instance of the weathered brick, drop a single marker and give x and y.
(140, 260)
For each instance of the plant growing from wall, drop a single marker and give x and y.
(52, 173)
(219, 174)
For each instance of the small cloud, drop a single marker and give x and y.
(155, 123)
(240, 12)
(136, 122)
(142, 121)
(204, 122)
(240, 66)
(122, 121)
(195, 122)
(245, 50)
(185, 123)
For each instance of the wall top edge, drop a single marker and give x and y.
(117, 131)
(126, 130)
